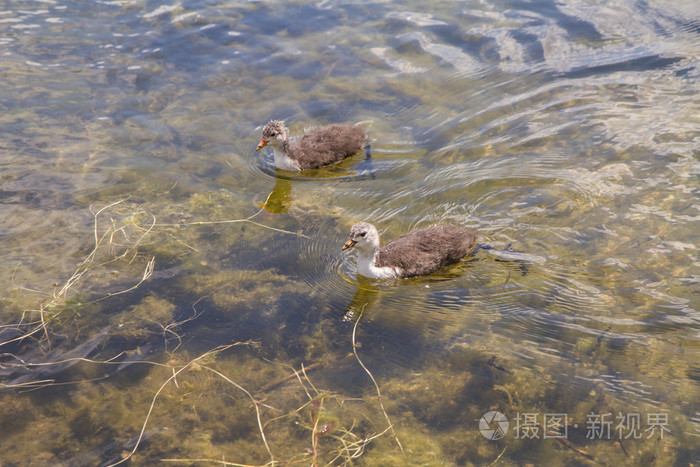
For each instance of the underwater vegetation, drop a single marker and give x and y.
(196, 362)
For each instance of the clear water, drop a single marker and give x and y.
(568, 130)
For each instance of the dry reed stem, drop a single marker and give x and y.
(295, 374)
(212, 461)
(50, 382)
(235, 221)
(87, 265)
(379, 394)
(303, 370)
(255, 404)
(499, 456)
(349, 450)
(353, 446)
(43, 325)
(173, 377)
(146, 275)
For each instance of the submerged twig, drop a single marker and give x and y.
(146, 275)
(248, 219)
(172, 378)
(379, 394)
(48, 311)
(38, 384)
(499, 456)
(255, 404)
(213, 461)
(295, 374)
(568, 444)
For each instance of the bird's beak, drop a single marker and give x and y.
(350, 243)
(262, 144)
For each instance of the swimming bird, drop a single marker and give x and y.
(315, 149)
(417, 253)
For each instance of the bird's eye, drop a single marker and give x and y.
(273, 134)
(362, 234)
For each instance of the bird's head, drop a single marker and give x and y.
(274, 134)
(363, 236)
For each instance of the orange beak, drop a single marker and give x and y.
(350, 243)
(262, 144)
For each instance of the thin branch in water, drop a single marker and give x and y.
(379, 394)
(303, 370)
(235, 221)
(43, 325)
(146, 275)
(255, 404)
(173, 378)
(295, 374)
(214, 461)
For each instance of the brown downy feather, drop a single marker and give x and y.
(426, 250)
(327, 145)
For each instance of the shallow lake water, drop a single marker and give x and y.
(168, 296)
